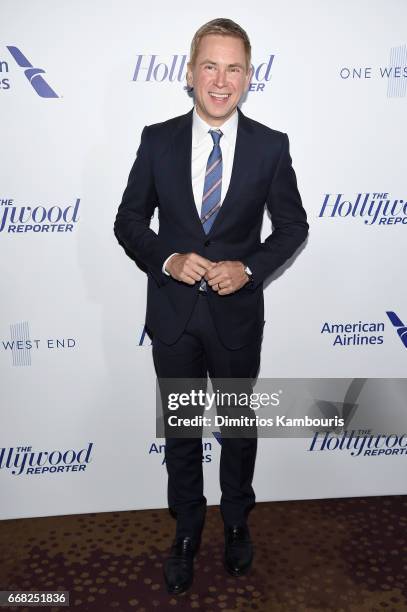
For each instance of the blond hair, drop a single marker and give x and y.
(221, 27)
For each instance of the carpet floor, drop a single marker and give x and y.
(339, 555)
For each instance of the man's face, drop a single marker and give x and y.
(219, 77)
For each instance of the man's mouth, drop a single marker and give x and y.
(219, 96)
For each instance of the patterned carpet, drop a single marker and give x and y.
(324, 555)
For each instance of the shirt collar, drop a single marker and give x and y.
(200, 128)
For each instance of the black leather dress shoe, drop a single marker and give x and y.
(179, 567)
(238, 550)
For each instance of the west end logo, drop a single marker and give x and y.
(372, 208)
(152, 68)
(21, 344)
(34, 75)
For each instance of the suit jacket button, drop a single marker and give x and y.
(207, 242)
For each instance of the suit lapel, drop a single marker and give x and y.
(182, 152)
(241, 164)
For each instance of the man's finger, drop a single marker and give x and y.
(196, 268)
(207, 264)
(190, 272)
(216, 272)
(226, 291)
(186, 278)
(219, 278)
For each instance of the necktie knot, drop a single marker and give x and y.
(216, 136)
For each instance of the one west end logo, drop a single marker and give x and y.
(24, 460)
(372, 208)
(394, 73)
(152, 68)
(20, 219)
(35, 76)
(367, 72)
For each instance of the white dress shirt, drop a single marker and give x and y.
(202, 145)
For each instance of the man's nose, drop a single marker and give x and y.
(220, 80)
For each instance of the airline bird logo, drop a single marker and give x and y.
(399, 325)
(34, 75)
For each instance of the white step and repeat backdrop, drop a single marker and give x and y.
(78, 81)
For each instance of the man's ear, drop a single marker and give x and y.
(190, 80)
(249, 77)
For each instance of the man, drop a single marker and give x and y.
(210, 172)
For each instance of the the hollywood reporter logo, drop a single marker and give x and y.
(153, 68)
(24, 460)
(374, 208)
(37, 218)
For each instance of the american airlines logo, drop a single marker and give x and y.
(363, 333)
(399, 326)
(33, 74)
(144, 339)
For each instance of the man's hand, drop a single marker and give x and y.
(188, 267)
(227, 277)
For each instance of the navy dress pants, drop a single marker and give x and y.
(197, 354)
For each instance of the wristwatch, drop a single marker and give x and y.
(249, 273)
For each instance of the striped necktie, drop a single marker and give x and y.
(213, 183)
(211, 199)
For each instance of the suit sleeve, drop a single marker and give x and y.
(290, 227)
(132, 224)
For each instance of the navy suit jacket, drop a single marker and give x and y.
(262, 175)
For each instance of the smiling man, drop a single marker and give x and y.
(211, 173)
